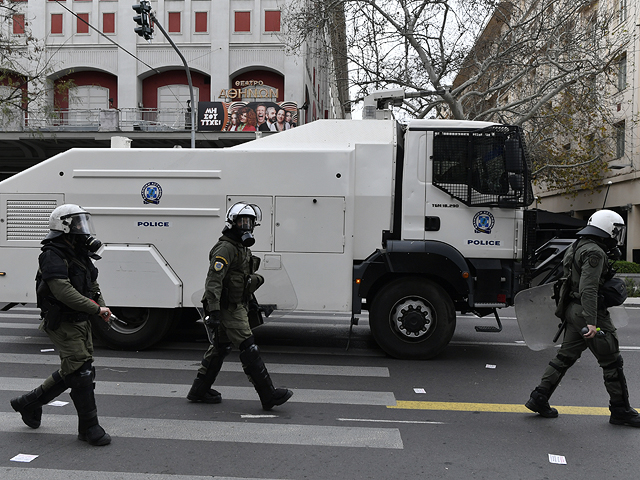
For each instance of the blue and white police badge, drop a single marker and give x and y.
(217, 266)
(483, 222)
(151, 193)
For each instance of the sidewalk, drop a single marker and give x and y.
(632, 302)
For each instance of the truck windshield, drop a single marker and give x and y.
(482, 168)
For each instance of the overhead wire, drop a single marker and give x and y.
(102, 34)
(119, 46)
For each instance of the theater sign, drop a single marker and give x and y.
(247, 115)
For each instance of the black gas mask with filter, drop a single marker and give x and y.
(88, 243)
(244, 224)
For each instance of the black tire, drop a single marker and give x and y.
(412, 318)
(144, 327)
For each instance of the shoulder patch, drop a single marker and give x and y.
(594, 260)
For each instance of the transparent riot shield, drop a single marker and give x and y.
(535, 312)
(275, 297)
(619, 316)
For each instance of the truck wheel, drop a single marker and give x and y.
(412, 318)
(144, 327)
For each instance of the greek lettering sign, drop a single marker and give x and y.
(245, 116)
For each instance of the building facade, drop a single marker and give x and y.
(119, 82)
(620, 186)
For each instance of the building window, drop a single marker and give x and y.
(272, 21)
(174, 22)
(622, 10)
(56, 23)
(18, 24)
(622, 72)
(201, 22)
(620, 137)
(82, 25)
(242, 21)
(108, 23)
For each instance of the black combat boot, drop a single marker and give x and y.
(622, 414)
(201, 391)
(619, 405)
(29, 405)
(539, 403)
(255, 369)
(82, 394)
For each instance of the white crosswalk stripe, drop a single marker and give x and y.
(12, 473)
(341, 397)
(50, 358)
(205, 431)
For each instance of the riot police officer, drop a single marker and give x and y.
(68, 294)
(586, 267)
(230, 282)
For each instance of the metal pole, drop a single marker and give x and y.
(186, 68)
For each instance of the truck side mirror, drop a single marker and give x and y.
(513, 156)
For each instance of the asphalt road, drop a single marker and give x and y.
(355, 414)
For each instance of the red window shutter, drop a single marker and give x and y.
(56, 23)
(81, 26)
(18, 23)
(242, 22)
(272, 21)
(174, 22)
(108, 23)
(201, 22)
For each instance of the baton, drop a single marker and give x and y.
(560, 329)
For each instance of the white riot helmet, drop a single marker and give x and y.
(606, 224)
(70, 218)
(243, 217)
(74, 220)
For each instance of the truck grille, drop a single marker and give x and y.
(28, 219)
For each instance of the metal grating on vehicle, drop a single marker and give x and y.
(28, 219)
(472, 167)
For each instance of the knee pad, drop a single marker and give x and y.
(224, 349)
(617, 364)
(567, 362)
(81, 378)
(247, 343)
(250, 355)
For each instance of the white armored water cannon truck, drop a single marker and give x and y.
(411, 222)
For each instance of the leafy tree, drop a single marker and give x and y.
(545, 65)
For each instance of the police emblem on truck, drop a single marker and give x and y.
(151, 193)
(483, 222)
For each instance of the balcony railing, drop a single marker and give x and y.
(106, 120)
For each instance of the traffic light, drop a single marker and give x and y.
(143, 19)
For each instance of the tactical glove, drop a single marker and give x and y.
(211, 323)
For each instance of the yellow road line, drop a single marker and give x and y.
(492, 407)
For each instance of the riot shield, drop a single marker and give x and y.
(535, 312)
(276, 296)
(196, 299)
(619, 316)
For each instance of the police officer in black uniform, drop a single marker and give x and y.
(588, 323)
(231, 280)
(68, 294)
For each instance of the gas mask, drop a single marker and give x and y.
(245, 225)
(87, 242)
